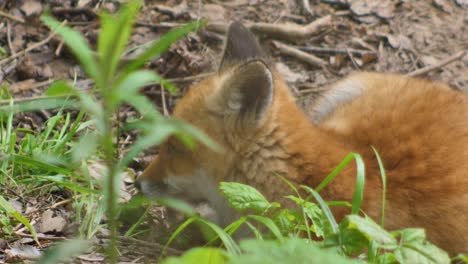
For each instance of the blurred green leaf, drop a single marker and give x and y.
(291, 251)
(60, 88)
(114, 34)
(77, 44)
(63, 251)
(11, 211)
(199, 255)
(163, 44)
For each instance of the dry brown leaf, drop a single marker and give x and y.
(287, 73)
(31, 7)
(443, 5)
(214, 13)
(399, 42)
(51, 223)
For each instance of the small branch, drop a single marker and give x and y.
(439, 65)
(41, 237)
(303, 56)
(334, 51)
(155, 246)
(282, 31)
(189, 78)
(4, 14)
(58, 11)
(32, 47)
(174, 12)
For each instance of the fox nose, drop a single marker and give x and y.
(137, 184)
(151, 188)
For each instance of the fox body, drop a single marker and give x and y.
(419, 128)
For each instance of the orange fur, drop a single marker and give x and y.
(420, 129)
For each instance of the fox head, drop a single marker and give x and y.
(234, 107)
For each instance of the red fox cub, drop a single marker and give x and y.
(419, 128)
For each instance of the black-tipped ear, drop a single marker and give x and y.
(247, 93)
(241, 45)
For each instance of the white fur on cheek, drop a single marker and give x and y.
(201, 187)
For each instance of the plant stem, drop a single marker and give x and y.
(109, 153)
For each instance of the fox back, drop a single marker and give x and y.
(419, 128)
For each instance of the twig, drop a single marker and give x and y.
(57, 11)
(32, 47)
(190, 78)
(174, 12)
(351, 57)
(10, 44)
(282, 31)
(163, 99)
(441, 64)
(155, 246)
(321, 50)
(303, 56)
(305, 5)
(158, 26)
(4, 14)
(42, 237)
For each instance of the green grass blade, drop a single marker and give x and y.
(326, 210)
(269, 224)
(360, 181)
(383, 175)
(11, 211)
(335, 172)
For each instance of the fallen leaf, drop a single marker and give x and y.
(361, 8)
(399, 42)
(98, 170)
(26, 252)
(442, 5)
(429, 60)
(51, 223)
(287, 73)
(31, 7)
(214, 13)
(17, 205)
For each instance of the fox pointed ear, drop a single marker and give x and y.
(246, 94)
(241, 45)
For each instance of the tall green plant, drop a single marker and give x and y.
(115, 85)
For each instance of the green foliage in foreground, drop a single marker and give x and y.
(278, 230)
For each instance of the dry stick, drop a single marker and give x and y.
(282, 31)
(153, 245)
(32, 47)
(4, 14)
(351, 57)
(441, 64)
(320, 50)
(39, 236)
(163, 99)
(296, 53)
(10, 44)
